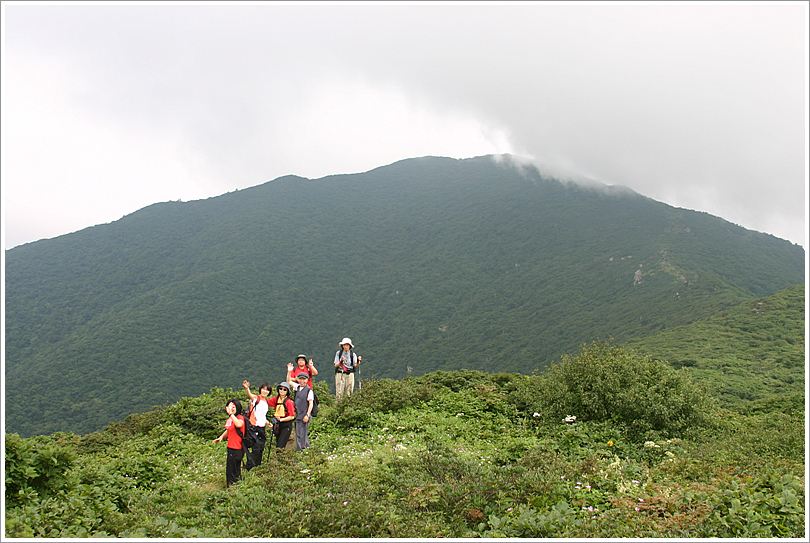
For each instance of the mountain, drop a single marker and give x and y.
(426, 264)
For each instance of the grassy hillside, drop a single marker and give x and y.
(427, 264)
(447, 454)
(752, 356)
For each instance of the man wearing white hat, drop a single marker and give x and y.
(346, 363)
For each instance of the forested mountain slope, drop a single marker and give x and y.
(752, 356)
(427, 264)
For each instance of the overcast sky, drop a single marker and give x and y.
(109, 108)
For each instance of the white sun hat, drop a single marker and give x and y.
(346, 340)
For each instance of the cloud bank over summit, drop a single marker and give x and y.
(108, 108)
(555, 172)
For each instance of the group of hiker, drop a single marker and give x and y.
(294, 402)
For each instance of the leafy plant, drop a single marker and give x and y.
(770, 505)
(416, 468)
(610, 383)
(35, 470)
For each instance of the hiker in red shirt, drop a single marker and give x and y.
(301, 366)
(233, 465)
(283, 410)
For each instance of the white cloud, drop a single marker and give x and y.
(69, 169)
(697, 105)
(350, 126)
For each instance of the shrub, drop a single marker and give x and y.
(81, 512)
(35, 469)
(526, 522)
(483, 403)
(378, 396)
(454, 380)
(203, 416)
(607, 383)
(746, 441)
(526, 394)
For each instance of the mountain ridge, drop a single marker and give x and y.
(428, 263)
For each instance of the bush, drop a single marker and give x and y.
(454, 380)
(378, 396)
(81, 512)
(203, 416)
(35, 469)
(482, 404)
(607, 383)
(526, 522)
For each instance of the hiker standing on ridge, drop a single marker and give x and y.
(283, 414)
(304, 403)
(257, 416)
(300, 366)
(346, 362)
(234, 426)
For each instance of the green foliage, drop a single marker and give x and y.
(451, 264)
(48, 495)
(204, 414)
(753, 354)
(81, 512)
(770, 505)
(416, 467)
(528, 523)
(610, 383)
(35, 469)
(378, 396)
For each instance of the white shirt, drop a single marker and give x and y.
(260, 411)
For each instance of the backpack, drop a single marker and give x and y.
(250, 416)
(352, 358)
(248, 440)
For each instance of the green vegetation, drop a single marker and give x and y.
(427, 264)
(752, 356)
(447, 454)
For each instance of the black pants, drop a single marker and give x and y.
(284, 431)
(254, 457)
(233, 466)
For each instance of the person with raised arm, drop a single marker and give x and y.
(257, 416)
(301, 365)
